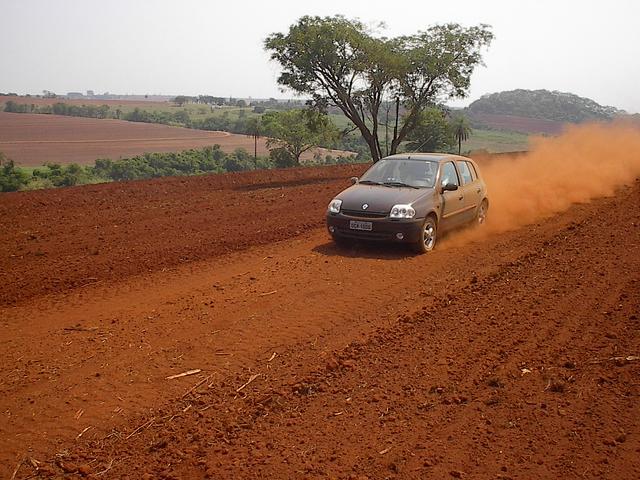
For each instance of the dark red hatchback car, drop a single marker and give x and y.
(410, 198)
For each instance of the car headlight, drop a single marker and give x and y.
(334, 206)
(402, 211)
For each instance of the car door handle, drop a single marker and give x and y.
(461, 197)
(479, 190)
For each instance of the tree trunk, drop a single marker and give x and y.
(345, 103)
(386, 129)
(373, 145)
(255, 148)
(394, 142)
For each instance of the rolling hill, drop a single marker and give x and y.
(535, 111)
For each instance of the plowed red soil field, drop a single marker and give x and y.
(35, 139)
(208, 328)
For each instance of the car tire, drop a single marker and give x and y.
(481, 215)
(428, 235)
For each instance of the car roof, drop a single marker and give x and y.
(431, 157)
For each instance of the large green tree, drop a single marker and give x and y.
(338, 61)
(296, 131)
(432, 132)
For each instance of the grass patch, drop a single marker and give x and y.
(28, 169)
(495, 141)
(196, 111)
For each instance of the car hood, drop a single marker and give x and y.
(379, 198)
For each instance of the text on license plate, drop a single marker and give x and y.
(357, 225)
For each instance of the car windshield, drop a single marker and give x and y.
(401, 173)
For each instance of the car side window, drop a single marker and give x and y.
(449, 174)
(474, 176)
(464, 171)
(474, 172)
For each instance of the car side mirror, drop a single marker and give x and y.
(354, 180)
(449, 187)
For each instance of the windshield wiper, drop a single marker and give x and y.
(369, 182)
(399, 184)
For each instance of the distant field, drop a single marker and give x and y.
(196, 111)
(33, 139)
(518, 124)
(495, 141)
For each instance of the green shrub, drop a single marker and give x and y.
(11, 178)
(282, 158)
(38, 184)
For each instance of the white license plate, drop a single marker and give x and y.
(357, 225)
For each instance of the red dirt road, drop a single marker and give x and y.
(507, 355)
(35, 139)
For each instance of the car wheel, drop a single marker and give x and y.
(428, 234)
(483, 210)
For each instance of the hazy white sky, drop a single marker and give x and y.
(591, 48)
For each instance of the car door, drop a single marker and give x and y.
(452, 201)
(470, 190)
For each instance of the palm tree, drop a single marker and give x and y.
(253, 128)
(461, 130)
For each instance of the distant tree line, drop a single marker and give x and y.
(179, 118)
(204, 99)
(90, 111)
(270, 103)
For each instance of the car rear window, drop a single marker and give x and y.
(464, 171)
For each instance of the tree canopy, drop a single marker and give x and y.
(340, 62)
(180, 100)
(432, 132)
(296, 131)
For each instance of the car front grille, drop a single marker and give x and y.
(363, 214)
(362, 235)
